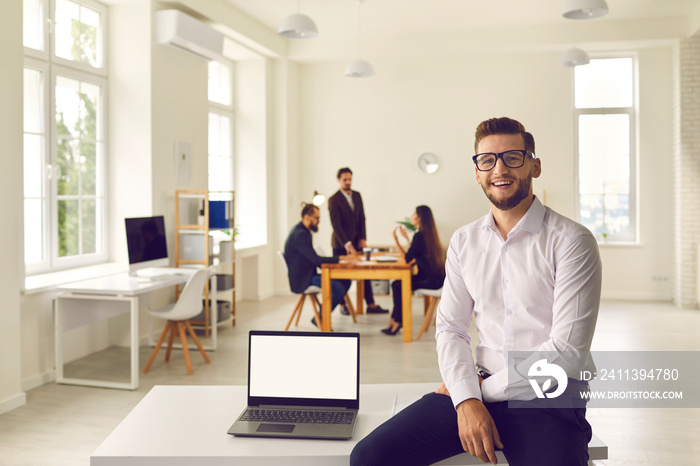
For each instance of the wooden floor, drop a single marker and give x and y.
(62, 425)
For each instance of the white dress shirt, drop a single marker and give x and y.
(537, 291)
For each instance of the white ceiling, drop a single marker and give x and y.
(338, 18)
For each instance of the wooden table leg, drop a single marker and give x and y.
(407, 311)
(327, 301)
(359, 306)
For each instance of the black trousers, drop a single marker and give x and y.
(397, 313)
(426, 432)
(369, 296)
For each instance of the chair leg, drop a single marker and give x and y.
(185, 349)
(351, 308)
(154, 353)
(196, 341)
(171, 338)
(297, 309)
(300, 303)
(428, 319)
(317, 306)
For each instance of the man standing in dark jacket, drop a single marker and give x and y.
(302, 259)
(349, 231)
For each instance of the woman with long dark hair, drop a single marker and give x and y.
(427, 251)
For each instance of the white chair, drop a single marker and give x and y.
(311, 292)
(432, 299)
(178, 315)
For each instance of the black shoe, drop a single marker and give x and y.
(344, 310)
(387, 331)
(313, 321)
(376, 310)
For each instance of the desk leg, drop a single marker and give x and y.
(407, 311)
(58, 335)
(360, 284)
(134, 304)
(327, 301)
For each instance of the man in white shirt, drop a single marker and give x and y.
(531, 279)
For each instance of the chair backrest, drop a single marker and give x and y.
(284, 261)
(189, 304)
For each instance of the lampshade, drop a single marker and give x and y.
(359, 69)
(585, 9)
(298, 26)
(318, 199)
(574, 57)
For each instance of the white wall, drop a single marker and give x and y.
(378, 127)
(11, 256)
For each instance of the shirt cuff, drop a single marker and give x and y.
(464, 391)
(346, 244)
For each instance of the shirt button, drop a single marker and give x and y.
(508, 341)
(509, 312)
(505, 280)
(505, 248)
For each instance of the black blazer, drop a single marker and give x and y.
(301, 258)
(348, 224)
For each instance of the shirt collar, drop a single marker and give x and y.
(531, 221)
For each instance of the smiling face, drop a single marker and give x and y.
(506, 187)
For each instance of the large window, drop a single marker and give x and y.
(64, 137)
(220, 126)
(605, 134)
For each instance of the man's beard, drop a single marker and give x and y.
(513, 200)
(313, 228)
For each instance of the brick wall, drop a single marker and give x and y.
(686, 171)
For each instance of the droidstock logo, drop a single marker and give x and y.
(542, 368)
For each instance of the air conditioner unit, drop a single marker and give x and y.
(177, 29)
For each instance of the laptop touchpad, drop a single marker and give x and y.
(285, 428)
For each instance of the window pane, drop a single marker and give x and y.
(214, 133)
(33, 230)
(604, 153)
(617, 214)
(225, 146)
(68, 228)
(604, 83)
(88, 165)
(77, 33)
(68, 161)
(89, 106)
(89, 224)
(33, 24)
(33, 101)
(592, 213)
(33, 165)
(68, 103)
(220, 83)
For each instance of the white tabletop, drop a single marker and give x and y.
(128, 285)
(186, 425)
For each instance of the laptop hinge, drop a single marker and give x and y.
(307, 408)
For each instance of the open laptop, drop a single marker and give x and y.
(301, 384)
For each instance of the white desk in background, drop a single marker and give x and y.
(158, 431)
(96, 299)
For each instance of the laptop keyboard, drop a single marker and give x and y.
(298, 416)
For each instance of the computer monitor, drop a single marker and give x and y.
(145, 241)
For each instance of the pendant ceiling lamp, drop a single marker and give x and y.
(359, 68)
(298, 26)
(574, 57)
(585, 9)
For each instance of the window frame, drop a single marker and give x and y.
(632, 112)
(227, 111)
(51, 67)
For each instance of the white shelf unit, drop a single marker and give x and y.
(199, 245)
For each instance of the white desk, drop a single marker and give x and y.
(186, 425)
(81, 305)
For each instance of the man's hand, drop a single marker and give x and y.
(477, 431)
(350, 249)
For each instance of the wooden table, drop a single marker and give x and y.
(368, 270)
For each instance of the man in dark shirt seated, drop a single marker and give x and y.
(302, 259)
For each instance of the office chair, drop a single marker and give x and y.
(432, 297)
(311, 292)
(178, 315)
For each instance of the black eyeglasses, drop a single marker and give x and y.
(511, 158)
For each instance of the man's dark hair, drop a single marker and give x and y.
(343, 170)
(503, 125)
(307, 208)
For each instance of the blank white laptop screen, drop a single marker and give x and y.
(289, 367)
